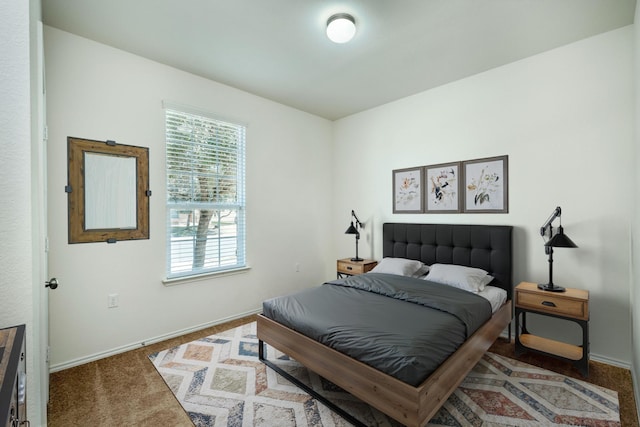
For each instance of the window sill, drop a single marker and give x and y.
(205, 276)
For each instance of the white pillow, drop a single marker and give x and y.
(485, 281)
(467, 278)
(399, 266)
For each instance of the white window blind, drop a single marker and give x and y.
(205, 194)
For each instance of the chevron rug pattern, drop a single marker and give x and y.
(219, 381)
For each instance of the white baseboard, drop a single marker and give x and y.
(610, 361)
(153, 340)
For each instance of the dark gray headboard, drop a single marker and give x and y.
(483, 246)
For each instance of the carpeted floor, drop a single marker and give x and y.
(126, 389)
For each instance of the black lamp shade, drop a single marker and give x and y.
(352, 229)
(560, 240)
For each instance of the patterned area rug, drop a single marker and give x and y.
(219, 381)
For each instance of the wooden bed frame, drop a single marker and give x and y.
(487, 247)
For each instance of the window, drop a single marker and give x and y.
(205, 194)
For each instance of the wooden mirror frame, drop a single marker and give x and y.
(78, 233)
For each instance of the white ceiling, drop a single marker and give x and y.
(278, 49)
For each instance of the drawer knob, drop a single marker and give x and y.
(349, 268)
(548, 303)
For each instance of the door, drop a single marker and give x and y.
(41, 357)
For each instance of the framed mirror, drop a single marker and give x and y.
(108, 191)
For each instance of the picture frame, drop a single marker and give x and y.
(101, 206)
(443, 188)
(408, 186)
(486, 185)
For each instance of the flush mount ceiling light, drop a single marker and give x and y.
(341, 27)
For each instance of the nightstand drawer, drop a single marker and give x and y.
(350, 268)
(554, 304)
(346, 266)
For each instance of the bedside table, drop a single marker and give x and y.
(346, 267)
(572, 305)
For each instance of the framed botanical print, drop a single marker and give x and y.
(407, 190)
(442, 188)
(486, 185)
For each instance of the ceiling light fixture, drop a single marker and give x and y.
(341, 27)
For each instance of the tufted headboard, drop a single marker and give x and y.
(483, 246)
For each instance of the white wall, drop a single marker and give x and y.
(101, 93)
(635, 285)
(18, 295)
(565, 118)
(15, 258)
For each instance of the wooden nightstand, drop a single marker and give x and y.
(346, 267)
(573, 305)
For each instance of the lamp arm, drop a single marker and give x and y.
(555, 214)
(353, 214)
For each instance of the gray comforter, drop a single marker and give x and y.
(402, 326)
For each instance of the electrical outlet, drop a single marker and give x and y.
(297, 267)
(114, 300)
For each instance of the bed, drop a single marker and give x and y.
(408, 398)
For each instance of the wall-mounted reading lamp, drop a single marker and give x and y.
(353, 229)
(558, 240)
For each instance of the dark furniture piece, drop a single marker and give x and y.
(13, 377)
(484, 246)
(572, 305)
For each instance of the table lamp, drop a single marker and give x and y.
(353, 229)
(558, 240)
